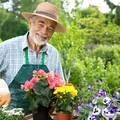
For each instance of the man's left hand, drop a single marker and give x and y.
(5, 96)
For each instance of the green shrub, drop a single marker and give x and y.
(14, 27)
(91, 69)
(108, 53)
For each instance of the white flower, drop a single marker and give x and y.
(118, 111)
(15, 111)
(96, 111)
(106, 100)
(91, 116)
(94, 101)
(108, 115)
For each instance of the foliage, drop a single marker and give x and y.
(108, 53)
(64, 98)
(39, 89)
(16, 28)
(94, 68)
(116, 9)
(32, 4)
(3, 17)
(96, 28)
(15, 114)
(0, 40)
(69, 46)
(98, 103)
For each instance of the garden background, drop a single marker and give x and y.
(89, 50)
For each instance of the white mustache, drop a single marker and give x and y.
(42, 35)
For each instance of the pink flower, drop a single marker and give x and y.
(39, 73)
(34, 80)
(36, 88)
(51, 86)
(22, 87)
(54, 80)
(50, 76)
(28, 85)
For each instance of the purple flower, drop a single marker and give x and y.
(113, 109)
(99, 81)
(89, 104)
(92, 117)
(78, 109)
(108, 115)
(116, 95)
(89, 87)
(107, 101)
(103, 93)
(96, 110)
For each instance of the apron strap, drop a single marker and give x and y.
(26, 56)
(43, 57)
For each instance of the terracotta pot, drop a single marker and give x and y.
(64, 116)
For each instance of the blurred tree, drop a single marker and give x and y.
(3, 17)
(111, 5)
(14, 6)
(117, 16)
(95, 28)
(116, 8)
(13, 27)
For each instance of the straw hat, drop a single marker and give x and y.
(46, 10)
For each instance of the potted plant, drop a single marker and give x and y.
(96, 102)
(39, 91)
(64, 100)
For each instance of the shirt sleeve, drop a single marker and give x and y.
(3, 60)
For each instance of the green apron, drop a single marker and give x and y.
(25, 73)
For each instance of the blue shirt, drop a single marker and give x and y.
(12, 57)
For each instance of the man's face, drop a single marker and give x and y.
(41, 29)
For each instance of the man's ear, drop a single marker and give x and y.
(30, 22)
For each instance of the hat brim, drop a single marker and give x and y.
(59, 26)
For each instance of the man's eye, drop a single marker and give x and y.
(41, 24)
(51, 29)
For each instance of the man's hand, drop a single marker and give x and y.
(4, 94)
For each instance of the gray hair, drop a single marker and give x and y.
(33, 18)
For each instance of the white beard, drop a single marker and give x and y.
(40, 41)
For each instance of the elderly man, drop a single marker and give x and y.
(21, 55)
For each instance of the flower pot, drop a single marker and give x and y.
(42, 113)
(64, 116)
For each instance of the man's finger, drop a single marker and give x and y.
(2, 102)
(5, 105)
(7, 100)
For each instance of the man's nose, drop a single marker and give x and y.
(44, 30)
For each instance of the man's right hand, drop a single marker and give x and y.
(5, 96)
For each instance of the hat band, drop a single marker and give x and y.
(47, 14)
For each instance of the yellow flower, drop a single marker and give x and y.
(65, 97)
(60, 96)
(66, 89)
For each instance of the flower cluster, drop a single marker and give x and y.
(14, 114)
(39, 89)
(54, 80)
(65, 98)
(99, 104)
